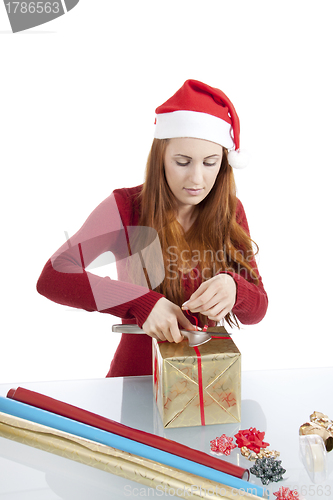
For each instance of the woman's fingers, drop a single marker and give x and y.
(176, 336)
(162, 322)
(216, 313)
(203, 303)
(214, 298)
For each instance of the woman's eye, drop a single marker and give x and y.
(185, 163)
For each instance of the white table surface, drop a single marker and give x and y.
(276, 401)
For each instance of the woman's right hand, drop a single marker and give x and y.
(162, 322)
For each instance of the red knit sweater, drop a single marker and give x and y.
(65, 280)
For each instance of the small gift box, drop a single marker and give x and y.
(197, 385)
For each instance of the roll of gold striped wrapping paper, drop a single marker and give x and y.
(120, 463)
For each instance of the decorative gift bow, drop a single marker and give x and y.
(222, 444)
(286, 494)
(252, 439)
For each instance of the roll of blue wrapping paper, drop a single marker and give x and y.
(54, 421)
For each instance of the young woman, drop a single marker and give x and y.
(181, 240)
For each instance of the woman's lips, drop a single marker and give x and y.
(193, 192)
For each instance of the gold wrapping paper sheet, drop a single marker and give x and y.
(176, 383)
(120, 463)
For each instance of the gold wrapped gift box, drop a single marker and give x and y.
(197, 386)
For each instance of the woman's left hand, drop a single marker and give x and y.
(214, 298)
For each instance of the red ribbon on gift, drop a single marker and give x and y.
(156, 376)
(200, 384)
(201, 398)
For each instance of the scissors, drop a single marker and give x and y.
(195, 337)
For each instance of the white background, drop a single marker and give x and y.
(78, 96)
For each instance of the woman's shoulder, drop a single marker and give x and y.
(127, 193)
(128, 200)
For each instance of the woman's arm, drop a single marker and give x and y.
(65, 280)
(231, 291)
(251, 299)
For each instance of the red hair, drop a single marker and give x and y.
(215, 238)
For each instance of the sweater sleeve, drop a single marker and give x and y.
(66, 280)
(251, 299)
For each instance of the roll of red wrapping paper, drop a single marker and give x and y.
(86, 417)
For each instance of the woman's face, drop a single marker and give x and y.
(191, 167)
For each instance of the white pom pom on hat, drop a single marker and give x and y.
(202, 112)
(238, 158)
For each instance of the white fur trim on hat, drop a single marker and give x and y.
(193, 124)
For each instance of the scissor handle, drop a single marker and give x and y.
(127, 328)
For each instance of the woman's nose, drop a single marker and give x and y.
(196, 174)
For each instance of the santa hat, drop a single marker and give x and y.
(203, 112)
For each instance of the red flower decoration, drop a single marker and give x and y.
(222, 444)
(252, 439)
(286, 494)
